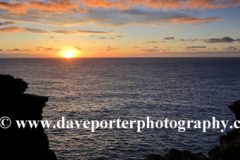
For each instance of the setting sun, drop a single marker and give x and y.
(68, 53)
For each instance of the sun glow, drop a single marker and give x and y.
(68, 53)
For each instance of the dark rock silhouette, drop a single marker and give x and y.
(178, 155)
(184, 155)
(229, 145)
(235, 108)
(28, 143)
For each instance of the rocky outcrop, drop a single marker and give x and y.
(235, 108)
(229, 145)
(178, 155)
(18, 143)
(184, 155)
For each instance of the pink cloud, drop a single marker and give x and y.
(168, 38)
(194, 20)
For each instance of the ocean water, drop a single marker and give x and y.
(130, 88)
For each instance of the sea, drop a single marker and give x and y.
(130, 89)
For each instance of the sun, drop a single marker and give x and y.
(68, 53)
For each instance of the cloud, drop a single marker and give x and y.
(76, 32)
(57, 7)
(231, 48)
(197, 47)
(99, 3)
(151, 42)
(48, 49)
(1, 50)
(16, 8)
(113, 18)
(57, 50)
(152, 50)
(19, 50)
(34, 30)
(11, 30)
(83, 6)
(15, 29)
(213, 40)
(210, 4)
(119, 36)
(21, 30)
(52, 6)
(16, 49)
(6, 23)
(117, 13)
(104, 18)
(190, 40)
(195, 20)
(163, 4)
(109, 48)
(78, 48)
(222, 40)
(169, 38)
(105, 37)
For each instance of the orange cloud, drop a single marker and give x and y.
(133, 3)
(104, 3)
(194, 20)
(211, 4)
(78, 48)
(6, 23)
(81, 6)
(162, 3)
(11, 30)
(57, 7)
(14, 8)
(165, 4)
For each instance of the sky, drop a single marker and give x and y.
(119, 28)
